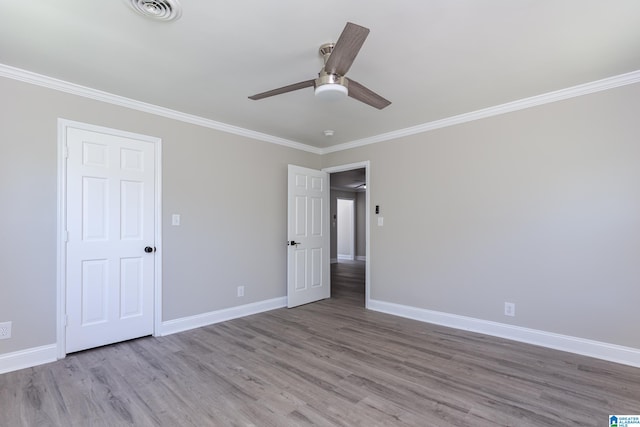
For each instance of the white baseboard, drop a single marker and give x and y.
(334, 260)
(45, 354)
(345, 257)
(27, 358)
(185, 323)
(611, 352)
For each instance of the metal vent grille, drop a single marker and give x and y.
(161, 10)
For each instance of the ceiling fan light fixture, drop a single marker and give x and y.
(331, 87)
(331, 92)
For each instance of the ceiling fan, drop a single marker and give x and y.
(331, 81)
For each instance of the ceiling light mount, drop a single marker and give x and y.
(160, 10)
(325, 50)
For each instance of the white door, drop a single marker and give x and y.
(110, 227)
(308, 271)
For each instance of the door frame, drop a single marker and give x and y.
(367, 170)
(61, 280)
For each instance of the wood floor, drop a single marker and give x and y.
(331, 363)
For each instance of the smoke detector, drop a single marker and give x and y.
(160, 10)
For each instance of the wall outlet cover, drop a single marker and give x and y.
(509, 309)
(5, 330)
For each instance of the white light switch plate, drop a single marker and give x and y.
(175, 219)
(380, 221)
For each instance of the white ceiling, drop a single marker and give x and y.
(433, 59)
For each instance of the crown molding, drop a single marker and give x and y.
(98, 95)
(534, 101)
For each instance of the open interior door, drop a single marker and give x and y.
(308, 270)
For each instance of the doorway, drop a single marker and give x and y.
(351, 182)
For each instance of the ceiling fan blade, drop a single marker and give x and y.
(284, 89)
(369, 97)
(346, 49)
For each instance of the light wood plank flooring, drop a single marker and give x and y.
(331, 363)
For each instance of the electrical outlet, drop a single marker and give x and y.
(509, 309)
(240, 291)
(5, 330)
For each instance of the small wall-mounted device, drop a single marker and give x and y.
(377, 209)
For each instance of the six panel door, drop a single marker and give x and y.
(110, 220)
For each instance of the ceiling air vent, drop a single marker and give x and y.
(161, 10)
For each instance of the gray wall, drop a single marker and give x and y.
(539, 207)
(230, 191)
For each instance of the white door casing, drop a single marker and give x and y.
(110, 218)
(308, 267)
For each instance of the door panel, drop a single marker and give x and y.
(110, 220)
(316, 267)
(131, 287)
(308, 275)
(94, 291)
(131, 198)
(94, 208)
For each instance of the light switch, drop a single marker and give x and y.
(175, 219)
(380, 221)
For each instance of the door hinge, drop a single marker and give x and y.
(66, 236)
(65, 152)
(66, 320)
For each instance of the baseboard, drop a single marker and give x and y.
(611, 352)
(27, 358)
(345, 257)
(334, 260)
(185, 323)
